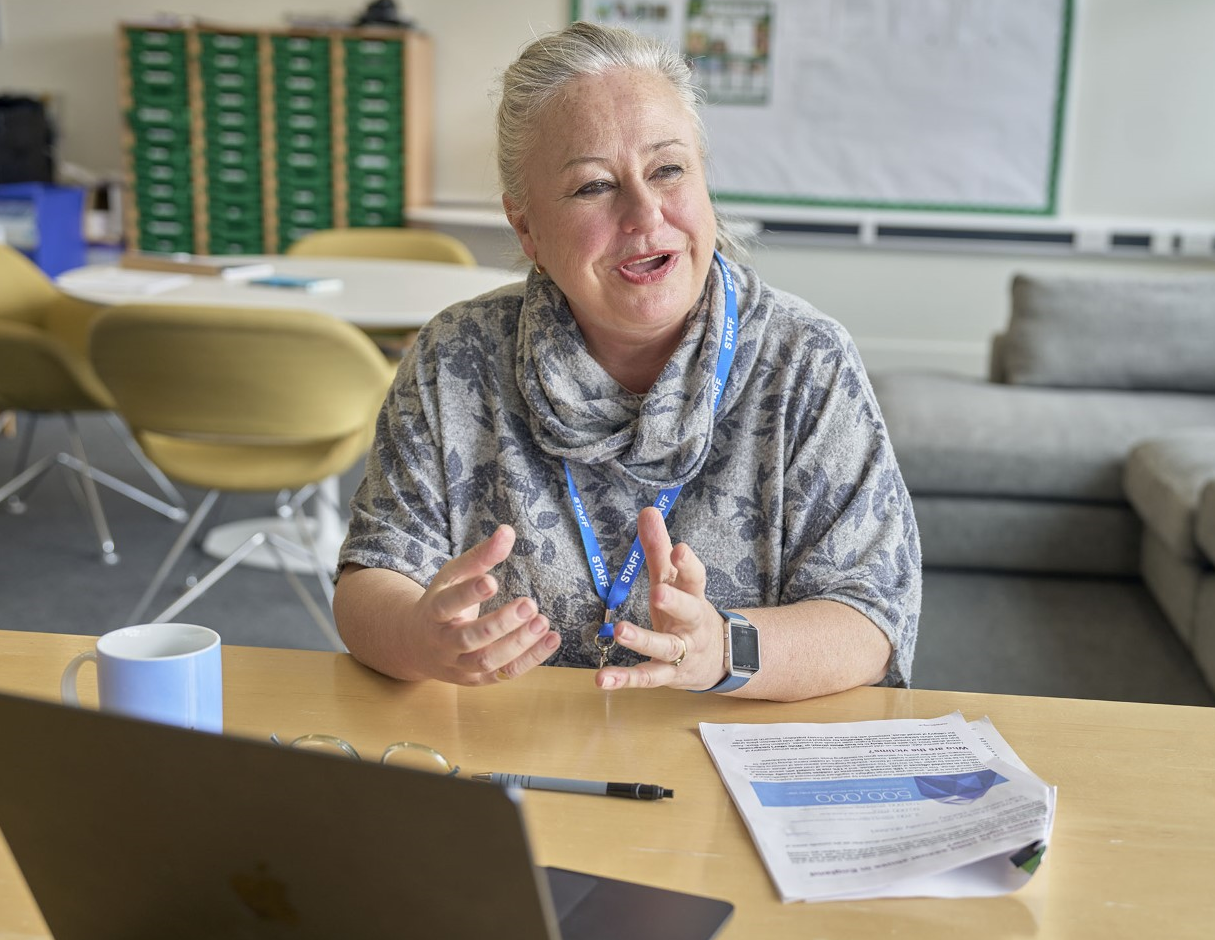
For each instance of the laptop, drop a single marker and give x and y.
(128, 829)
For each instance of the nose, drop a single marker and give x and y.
(641, 210)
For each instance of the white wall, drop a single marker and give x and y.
(1139, 145)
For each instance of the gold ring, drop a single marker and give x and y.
(501, 675)
(682, 653)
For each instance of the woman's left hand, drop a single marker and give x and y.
(687, 628)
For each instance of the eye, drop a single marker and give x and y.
(593, 188)
(670, 171)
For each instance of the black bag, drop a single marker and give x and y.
(27, 141)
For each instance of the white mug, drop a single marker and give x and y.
(166, 672)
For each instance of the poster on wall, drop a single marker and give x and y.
(950, 105)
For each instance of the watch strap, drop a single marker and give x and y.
(732, 681)
(728, 684)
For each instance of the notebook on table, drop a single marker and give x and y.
(126, 829)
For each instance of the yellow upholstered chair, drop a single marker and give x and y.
(44, 369)
(406, 244)
(243, 400)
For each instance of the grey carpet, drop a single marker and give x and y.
(1069, 637)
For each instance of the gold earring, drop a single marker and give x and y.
(539, 270)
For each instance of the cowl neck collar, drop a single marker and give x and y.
(576, 411)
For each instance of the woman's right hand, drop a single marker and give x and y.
(444, 635)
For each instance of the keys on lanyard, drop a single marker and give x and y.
(613, 593)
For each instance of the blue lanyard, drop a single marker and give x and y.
(613, 593)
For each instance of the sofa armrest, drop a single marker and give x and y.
(1170, 482)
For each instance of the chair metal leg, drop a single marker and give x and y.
(105, 541)
(154, 472)
(179, 545)
(14, 503)
(176, 513)
(277, 544)
(9, 492)
(190, 596)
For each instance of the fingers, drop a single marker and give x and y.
(479, 559)
(661, 647)
(664, 649)
(528, 657)
(652, 529)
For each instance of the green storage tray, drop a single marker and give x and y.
(375, 182)
(375, 107)
(156, 39)
(161, 192)
(386, 124)
(162, 173)
(306, 196)
(184, 245)
(372, 145)
(238, 43)
(239, 138)
(162, 136)
(236, 120)
(289, 122)
(388, 86)
(217, 82)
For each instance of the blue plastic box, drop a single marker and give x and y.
(46, 223)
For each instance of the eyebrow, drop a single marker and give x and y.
(653, 148)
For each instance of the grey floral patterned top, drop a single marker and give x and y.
(792, 490)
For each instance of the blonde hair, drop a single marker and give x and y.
(549, 63)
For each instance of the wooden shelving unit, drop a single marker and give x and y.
(240, 141)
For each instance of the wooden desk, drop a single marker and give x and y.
(1133, 853)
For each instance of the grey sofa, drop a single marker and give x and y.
(1028, 471)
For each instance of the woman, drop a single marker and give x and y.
(535, 431)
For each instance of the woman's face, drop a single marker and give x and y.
(618, 207)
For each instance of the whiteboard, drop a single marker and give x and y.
(950, 105)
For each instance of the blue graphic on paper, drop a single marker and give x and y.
(944, 788)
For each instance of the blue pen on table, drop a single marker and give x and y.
(629, 791)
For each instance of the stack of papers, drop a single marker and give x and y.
(879, 809)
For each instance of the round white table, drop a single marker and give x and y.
(375, 294)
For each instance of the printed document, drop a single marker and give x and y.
(896, 808)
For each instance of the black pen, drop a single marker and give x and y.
(630, 791)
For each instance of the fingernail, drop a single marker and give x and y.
(484, 588)
(525, 610)
(610, 682)
(552, 641)
(537, 626)
(623, 632)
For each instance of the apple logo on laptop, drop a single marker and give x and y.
(264, 895)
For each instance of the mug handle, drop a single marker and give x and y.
(67, 685)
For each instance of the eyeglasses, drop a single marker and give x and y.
(402, 754)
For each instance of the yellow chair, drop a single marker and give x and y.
(407, 244)
(243, 400)
(44, 369)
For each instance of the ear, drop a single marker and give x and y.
(518, 221)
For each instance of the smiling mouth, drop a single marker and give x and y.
(647, 267)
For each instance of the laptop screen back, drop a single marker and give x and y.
(125, 829)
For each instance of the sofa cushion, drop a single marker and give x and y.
(1164, 478)
(961, 436)
(1028, 535)
(1112, 333)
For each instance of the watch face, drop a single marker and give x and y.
(744, 644)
